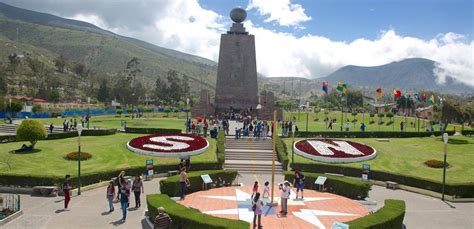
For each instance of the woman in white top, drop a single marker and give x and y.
(257, 206)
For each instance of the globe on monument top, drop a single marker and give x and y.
(238, 15)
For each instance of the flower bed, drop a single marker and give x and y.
(73, 156)
(169, 145)
(435, 164)
(333, 150)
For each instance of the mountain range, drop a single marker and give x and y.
(107, 53)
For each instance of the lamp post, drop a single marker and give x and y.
(187, 117)
(293, 130)
(445, 140)
(79, 132)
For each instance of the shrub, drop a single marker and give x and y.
(368, 134)
(435, 164)
(220, 148)
(119, 111)
(389, 217)
(184, 217)
(73, 156)
(170, 186)
(389, 123)
(32, 131)
(85, 132)
(467, 132)
(37, 108)
(282, 153)
(344, 186)
(372, 122)
(464, 190)
(139, 130)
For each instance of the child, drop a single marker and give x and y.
(255, 189)
(266, 189)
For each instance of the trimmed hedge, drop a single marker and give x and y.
(389, 217)
(463, 190)
(348, 187)
(184, 217)
(87, 179)
(220, 147)
(282, 153)
(368, 134)
(467, 132)
(85, 132)
(140, 130)
(170, 186)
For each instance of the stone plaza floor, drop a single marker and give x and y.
(317, 209)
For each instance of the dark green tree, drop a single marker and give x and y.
(60, 62)
(103, 93)
(450, 113)
(53, 96)
(161, 88)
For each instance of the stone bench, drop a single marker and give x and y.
(391, 184)
(45, 190)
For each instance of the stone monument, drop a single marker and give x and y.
(236, 88)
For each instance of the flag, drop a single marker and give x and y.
(417, 97)
(378, 93)
(440, 101)
(397, 94)
(432, 99)
(342, 87)
(423, 97)
(325, 87)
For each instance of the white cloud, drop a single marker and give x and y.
(196, 30)
(281, 11)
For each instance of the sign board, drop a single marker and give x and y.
(445, 138)
(149, 167)
(337, 225)
(365, 171)
(320, 180)
(206, 179)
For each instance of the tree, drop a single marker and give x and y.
(80, 69)
(37, 108)
(174, 91)
(3, 85)
(161, 88)
(60, 63)
(32, 131)
(54, 96)
(354, 99)
(103, 93)
(186, 90)
(14, 106)
(450, 112)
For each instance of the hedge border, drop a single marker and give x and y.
(463, 190)
(220, 147)
(184, 217)
(170, 185)
(139, 130)
(343, 186)
(389, 217)
(368, 134)
(282, 152)
(467, 132)
(62, 135)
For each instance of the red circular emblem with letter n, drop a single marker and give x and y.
(169, 145)
(334, 150)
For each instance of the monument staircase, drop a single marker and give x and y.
(8, 129)
(250, 155)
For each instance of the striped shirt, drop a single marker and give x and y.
(162, 221)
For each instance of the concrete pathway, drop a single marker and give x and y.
(89, 210)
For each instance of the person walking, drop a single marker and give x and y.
(183, 183)
(257, 206)
(111, 195)
(162, 220)
(120, 180)
(137, 189)
(124, 200)
(254, 189)
(51, 127)
(285, 194)
(66, 191)
(298, 182)
(266, 189)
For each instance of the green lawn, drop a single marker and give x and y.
(151, 120)
(320, 124)
(407, 156)
(109, 152)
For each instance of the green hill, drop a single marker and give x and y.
(101, 51)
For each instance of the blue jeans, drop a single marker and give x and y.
(124, 209)
(182, 189)
(110, 198)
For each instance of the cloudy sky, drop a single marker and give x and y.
(308, 38)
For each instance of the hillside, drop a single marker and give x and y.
(101, 51)
(415, 73)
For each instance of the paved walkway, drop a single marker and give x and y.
(89, 210)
